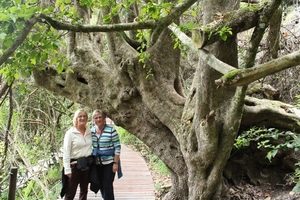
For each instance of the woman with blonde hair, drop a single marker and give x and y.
(76, 151)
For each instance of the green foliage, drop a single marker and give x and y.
(296, 178)
(178, 44)
(32, 189)
(88, 3)
(154, 10)
(66, 9)
(41, 43)
(27, 191)
(38, 124)
(152, 160)
(249, 7)
(54, 173)
(142, 37)
(127, 138)
(159, 165)
(265, 138)
(143, 56)
(221, 31)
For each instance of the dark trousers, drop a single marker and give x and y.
(81, 178)
(106, 177)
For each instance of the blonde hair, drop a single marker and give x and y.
(96, 112)
(76, 115)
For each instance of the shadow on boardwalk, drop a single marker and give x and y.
(136, 183)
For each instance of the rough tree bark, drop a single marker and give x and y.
(215, 116)
(193, 134)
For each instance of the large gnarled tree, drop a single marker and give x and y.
(134, 75)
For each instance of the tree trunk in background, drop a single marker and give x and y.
(274, 34)
(193, 135)
(213, 117)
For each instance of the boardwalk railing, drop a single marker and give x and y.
(12, 183)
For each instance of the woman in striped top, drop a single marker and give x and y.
(106, 148)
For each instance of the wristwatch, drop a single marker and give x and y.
(115, 163)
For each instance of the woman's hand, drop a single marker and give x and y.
(115, 167)
(69, 175)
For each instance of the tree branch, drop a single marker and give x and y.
(158, 26)
(96, 28)
(239, 21)
(22, 36)
(238, 77)
(251, 1)
(4, 88)
(241, 77)
(270, 113)
(206, 56)
(259, 30)
(164, 22)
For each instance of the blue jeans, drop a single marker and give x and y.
(106, 177)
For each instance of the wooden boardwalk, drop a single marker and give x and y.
(136, 183)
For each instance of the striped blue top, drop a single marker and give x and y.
(109, 139)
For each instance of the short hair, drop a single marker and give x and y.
(76, 115)
(98, 111)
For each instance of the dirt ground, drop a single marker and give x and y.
(251, 192)
(241, 192)
(249, 176)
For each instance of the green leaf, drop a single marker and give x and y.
(297, 187)
(224, 37)
(115, 10)
(18, 2)
(289, 145)
(59, 68)
(2, 36)
(44, 57)
(14, 9)
(7, 43)
(25, 15)
(104, 3)
(10, 29)
(19, 55)
(33, 61)
(4, 17)
(33, 54)
(16, 76)
(272, 154)
(36, 37)
(13, 18)
(32, 1)
(152, 9)
(107, 18)
(24, 62)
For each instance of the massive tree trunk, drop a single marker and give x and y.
(215, 116)
(193, 134)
